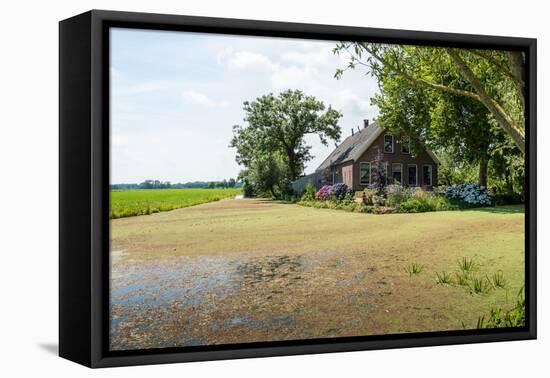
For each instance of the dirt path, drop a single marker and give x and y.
(249, 270)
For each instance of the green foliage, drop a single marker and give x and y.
(346, 205)
(463, 279)
(414, 269)
(499, 318)
(426, 94)
(266, 176)
(367, 196)
(425, 203)
(129, 203)
(501, 199)
(466, 265)
(498, 280)
(443, 278)
(452, 171)
(309, 192)
(399, 199)
(425, 74)
(397, 194)
(480, 285)
(274, 138)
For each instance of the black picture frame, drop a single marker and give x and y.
(84, 187)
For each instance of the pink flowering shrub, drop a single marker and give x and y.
(323, 194)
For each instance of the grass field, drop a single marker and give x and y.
(252, 270)
(129, 203)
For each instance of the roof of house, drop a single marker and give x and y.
(354, 146)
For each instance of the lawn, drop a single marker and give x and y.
(254, 270)
(129, 203)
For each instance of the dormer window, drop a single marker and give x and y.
(388, 143)
(406, 145)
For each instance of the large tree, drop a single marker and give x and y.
(276, 126)
(495, 79)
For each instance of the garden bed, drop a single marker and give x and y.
(396, 199)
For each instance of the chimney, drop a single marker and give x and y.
(365, 123)
(352, 131)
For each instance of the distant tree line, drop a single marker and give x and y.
(157, 184)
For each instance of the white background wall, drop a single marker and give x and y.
(29, 188)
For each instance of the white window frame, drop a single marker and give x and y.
(360, 175)
(416, 174)
(393, 171)
(392, 144)
(408, 143)
(431, 174)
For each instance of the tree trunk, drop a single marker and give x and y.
(483, 164)
(272, 192)
(509, 182)
(502, 118)
(292, 164)
(517, 68)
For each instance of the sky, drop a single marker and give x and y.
(175, 97)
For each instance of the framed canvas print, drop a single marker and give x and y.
(235, 188)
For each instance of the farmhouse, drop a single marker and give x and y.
(355, 161)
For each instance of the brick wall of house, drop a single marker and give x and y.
(349, 169)
(377, 147)
(349, 172)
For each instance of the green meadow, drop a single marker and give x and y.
(129, 203)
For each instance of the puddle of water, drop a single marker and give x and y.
(149, 298)
(116, 321)
(126, 290)
(158, 285)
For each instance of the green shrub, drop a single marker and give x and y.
(396, 194)
(499, 318)
(421, 203)
(367, 196)
(508, 199)
(308, 193)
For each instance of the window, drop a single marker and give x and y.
(406, 145)
(364, 173)
(397, 173)
(427, 175)
(388, 143)
(413, 175)
(335, 176)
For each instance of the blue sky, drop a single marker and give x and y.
(175, 97)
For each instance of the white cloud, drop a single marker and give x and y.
(319, 57)
(175, 105)
(202, 99)
(246, 60)
(346, 99)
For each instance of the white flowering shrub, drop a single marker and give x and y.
(469, 195)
